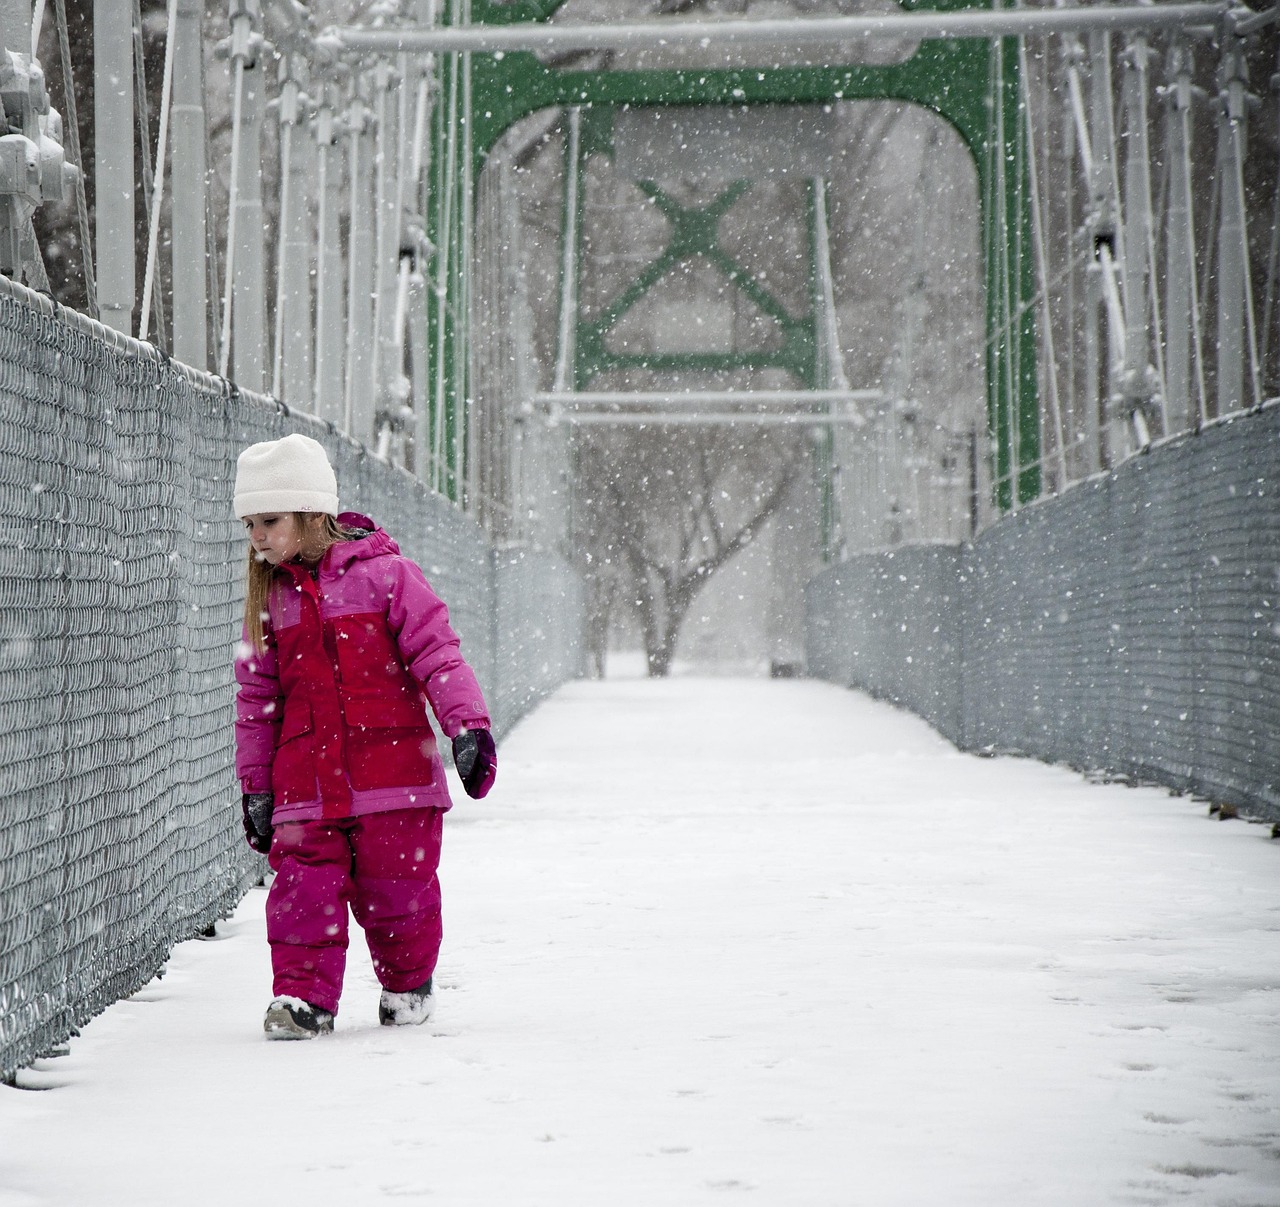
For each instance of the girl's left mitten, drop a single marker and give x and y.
(476, 759)
(258, 807)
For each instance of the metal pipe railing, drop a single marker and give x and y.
(665, 35)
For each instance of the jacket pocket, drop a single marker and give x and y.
(293, 770)
(389, 742)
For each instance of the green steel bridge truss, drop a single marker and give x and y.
(972, 83)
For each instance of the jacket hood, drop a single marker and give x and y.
(376, 542)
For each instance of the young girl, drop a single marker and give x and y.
(344, 645)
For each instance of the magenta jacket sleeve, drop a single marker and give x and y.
(420, 621)
(259, 711)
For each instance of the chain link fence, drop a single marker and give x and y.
(120, 602)
(1129, 626)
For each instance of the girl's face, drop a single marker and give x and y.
(276, 536)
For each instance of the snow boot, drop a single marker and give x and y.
(292, 1018)
(409, 1008)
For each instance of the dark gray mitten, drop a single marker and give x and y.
(476, 759)
(258, 807)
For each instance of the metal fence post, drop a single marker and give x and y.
(248, 270)
(329, 349)
(357, 419)
(291, 377)
(114, 232)
(1141, 394)
(190, 276)
(387, 84)
(1104, 194)
(1179, 241)
(1233, 273)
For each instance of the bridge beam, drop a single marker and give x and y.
(665, 35)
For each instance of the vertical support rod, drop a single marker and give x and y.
(248, 271)
(831, 372)
(1136, 233)
(444, 319)
(190, 278)
(1105, 222)
(1270, 379)
(565, 350)
(329, 358)
(419, 363)
(1091, 392)
(418, 198)
(1180, 258)
(387, 243)
(463, 444)
(113, 161)
(1232, 264)
(1005, 427)
(76, 158)
(358, 416)
(1027, 469)
(398, 388)
(291, 375)
(1038, 223)
(1013, 412)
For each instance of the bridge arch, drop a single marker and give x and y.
(971, 83)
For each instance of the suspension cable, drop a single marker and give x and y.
(157, 196)
(1083, 143)
(144, 143)
(1042, 260)
(73, 143)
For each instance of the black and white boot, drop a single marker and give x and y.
(292, 1018)
(409, 1008)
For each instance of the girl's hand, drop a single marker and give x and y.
(258, 807)
(476, 759)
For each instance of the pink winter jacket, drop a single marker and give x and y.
(331, 716)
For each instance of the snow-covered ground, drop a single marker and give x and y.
(717, 941)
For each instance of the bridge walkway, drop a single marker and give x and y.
(720, 940)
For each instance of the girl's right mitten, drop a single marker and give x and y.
(258, 807)
(476, 759)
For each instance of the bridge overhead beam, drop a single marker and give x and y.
(658, 35)
(971, 83)
(609, 399)
(710, 419)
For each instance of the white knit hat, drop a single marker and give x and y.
(289, 474)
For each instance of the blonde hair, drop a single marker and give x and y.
(316, 542)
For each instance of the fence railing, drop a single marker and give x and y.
(1129, 626)
(120, 597)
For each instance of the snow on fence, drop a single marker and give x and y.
(1130, 626)
(120, 597)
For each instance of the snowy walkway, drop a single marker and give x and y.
(731, 941)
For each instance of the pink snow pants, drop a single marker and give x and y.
(382, 865)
